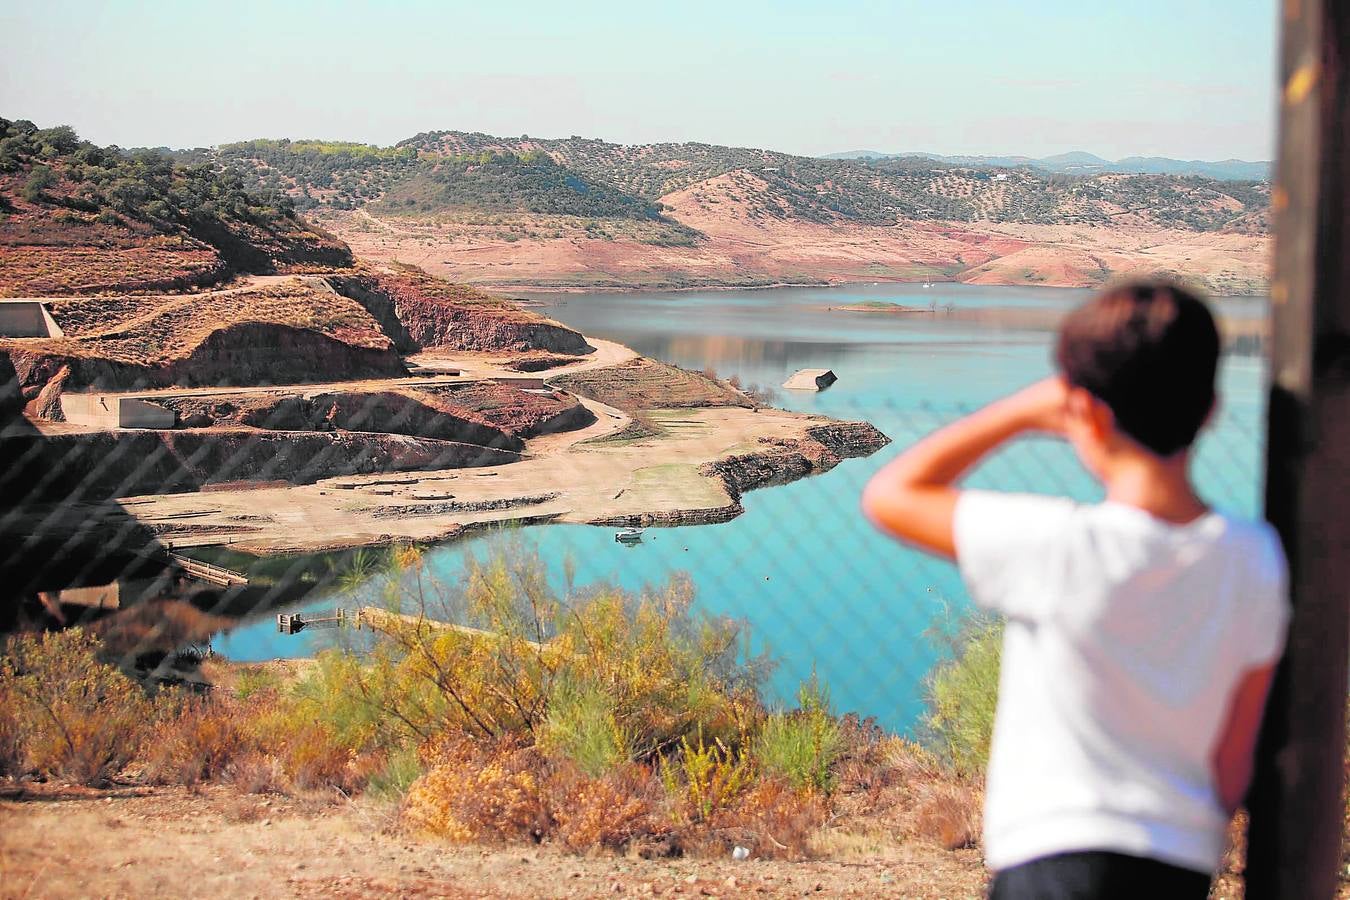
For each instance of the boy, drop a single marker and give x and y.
(1142, 632)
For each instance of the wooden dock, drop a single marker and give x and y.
(204, 571)
(377, 619)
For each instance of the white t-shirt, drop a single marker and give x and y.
(1126, 637)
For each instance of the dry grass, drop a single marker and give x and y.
(773, 820)
(493, 792)
(563, 742)
(73, 717)
(198, 739)
(948, 813)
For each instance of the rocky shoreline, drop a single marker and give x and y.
(782, 461)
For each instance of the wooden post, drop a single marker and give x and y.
(1296, 805)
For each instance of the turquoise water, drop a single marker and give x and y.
(818, 587)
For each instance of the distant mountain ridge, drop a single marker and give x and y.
(582, 213)
(1080, 162)
(622, 189)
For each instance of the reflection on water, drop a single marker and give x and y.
(819, 588)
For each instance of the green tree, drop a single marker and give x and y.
(35, 186)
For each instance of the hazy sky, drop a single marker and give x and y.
(1182, 78)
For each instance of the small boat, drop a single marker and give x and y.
(628, 536)
(928, 284)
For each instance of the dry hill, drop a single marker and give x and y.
(79, 219)
(578, 213)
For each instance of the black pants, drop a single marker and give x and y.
(1098, 875)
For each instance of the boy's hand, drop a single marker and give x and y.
(914, 496)
(1040, 406)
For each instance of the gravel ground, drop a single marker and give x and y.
(172, 842)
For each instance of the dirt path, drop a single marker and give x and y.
(169, 842)
(608, 420)
(495, 365)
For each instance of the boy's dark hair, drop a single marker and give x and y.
(1149, 350)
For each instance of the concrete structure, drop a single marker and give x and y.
(27, 319)
(524, 383)
(810, 380)
(103, 596)
(111, 411)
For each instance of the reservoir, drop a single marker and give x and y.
(819, 589)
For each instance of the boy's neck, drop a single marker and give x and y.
(1160, 486)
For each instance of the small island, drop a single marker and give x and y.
(884, 306)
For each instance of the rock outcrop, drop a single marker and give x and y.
(781, 461)
(848, 439)
(712, 515)
(420, 312)
(787, 459)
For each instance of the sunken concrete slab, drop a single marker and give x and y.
(811, 380)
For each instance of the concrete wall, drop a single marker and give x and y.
(103, 411)
(27, 319)
(93, 410)
(523, 384)
(104, 596)
(135, 413)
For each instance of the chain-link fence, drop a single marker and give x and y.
(101, 529)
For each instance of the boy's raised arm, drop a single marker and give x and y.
(914, 496)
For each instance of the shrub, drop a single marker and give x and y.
(195, 740)
(705, 778)
(75, 717)
(773, 819)
(347, 698)
(255, 680)
(401, 768)
(666, 671)
(302, 749)
(312, 756)
(11, 748)
(802, 747)
(581, 727)
(35, 185)
(948, 813)
(610, 812)
(963, 694)
(255, 772)
(505, 790)
(474, 792)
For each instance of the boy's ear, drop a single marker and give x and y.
(1101, 419)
